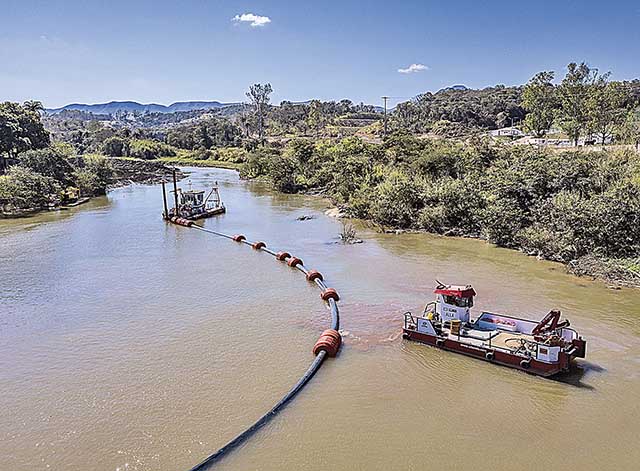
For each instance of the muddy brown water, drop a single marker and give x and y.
(128, 344)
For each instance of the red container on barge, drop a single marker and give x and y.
(544, 348)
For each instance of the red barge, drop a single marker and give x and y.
(544, 348)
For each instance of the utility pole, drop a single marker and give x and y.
(385, 98)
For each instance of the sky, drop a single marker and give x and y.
(84, 51)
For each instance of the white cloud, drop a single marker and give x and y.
(413, 68)
(254, 20)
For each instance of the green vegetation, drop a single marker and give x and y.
(540, 102)
(42, 175)
(20, 130)
(435, 169)
(559, 205)
(473, 110)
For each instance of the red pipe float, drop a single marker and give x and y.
(239, 238)
(282, 256)
(330, 293)
(181, 221)
(314, 275)
(329, 341)
(294, 261)
(258, 245)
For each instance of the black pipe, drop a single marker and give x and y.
(164, 201)
(175, 192)
(211, 460)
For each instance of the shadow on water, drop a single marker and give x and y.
(577, 374)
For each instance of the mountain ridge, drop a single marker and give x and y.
(133, 106)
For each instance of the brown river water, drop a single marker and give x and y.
(129, 344)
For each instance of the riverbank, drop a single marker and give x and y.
(127, 171)
(615, 273)
(191, 162)
(116, 173)
(555, 206)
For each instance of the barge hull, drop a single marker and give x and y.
(208, 214)
(499, 357)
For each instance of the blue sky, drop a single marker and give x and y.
(164, 51)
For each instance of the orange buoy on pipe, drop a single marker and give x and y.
(314, 275)
(282, 256)
(258, 245)
(294, 261)
(329, 341)
(239, 238)
(330, 293)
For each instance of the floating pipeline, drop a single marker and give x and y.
(328, 343)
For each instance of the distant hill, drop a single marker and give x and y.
(131, 106)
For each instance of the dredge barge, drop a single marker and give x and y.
(544, 348)
(192, 204)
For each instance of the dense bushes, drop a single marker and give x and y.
(148, 149)
(561, 205)
(22, 188)
(140, 148)
(47, 177)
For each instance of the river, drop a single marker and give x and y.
(130, 344)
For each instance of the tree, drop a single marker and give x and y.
(406, 117)
(258, 95)
(316, 119)
(604, 106)
(116, 146)
(22, 188)
(573, 94)
(202, 138)
(49, 162)
(540, 101)
(630, 128)
(20, 130)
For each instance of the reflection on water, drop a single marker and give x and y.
(129, 344)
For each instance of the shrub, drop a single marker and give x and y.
(452, 207)
(281, 171)
(116, 146)
(148, 149)
(86, 181)
(22, 188)
(236, 155)
(102, 173)
(48, 162)
(557, 230)
(502, 219)
(613, 226)
(396, 201)
(257, 164)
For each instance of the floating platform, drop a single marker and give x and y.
(207, 213)
(544, 348)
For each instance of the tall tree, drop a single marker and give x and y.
(539, 99)
(258, 95)
(604, 106)
(630, 128)
(316, 118)
(573, 94)
(20, 129)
